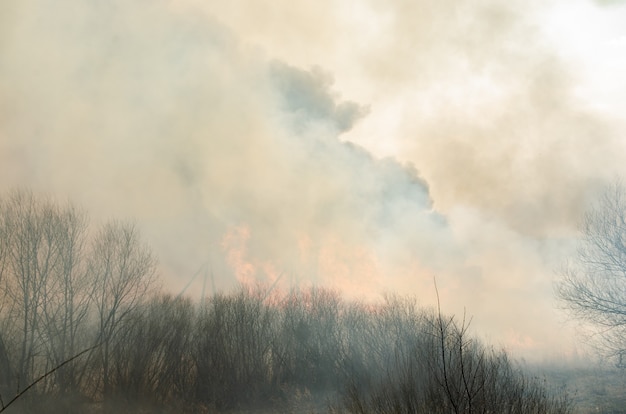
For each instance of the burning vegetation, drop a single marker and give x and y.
(67, 288)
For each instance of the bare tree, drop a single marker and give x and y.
(124, 271)
(67, 297)
(32, 256)
(151, 356)
(45, 287)
(62, 291)
(593, 284)
(439, 368)
(6, 368)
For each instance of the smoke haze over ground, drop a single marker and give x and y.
(367, 145)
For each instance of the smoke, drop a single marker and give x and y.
(513, 152)
(367, 145)
(609, 2)
(221, 153)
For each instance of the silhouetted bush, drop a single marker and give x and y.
(440, 369)
(232, 349)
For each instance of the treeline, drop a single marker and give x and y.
(65, 288)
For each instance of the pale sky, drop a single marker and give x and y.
(364, 145)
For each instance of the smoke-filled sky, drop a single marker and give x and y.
(365, 145)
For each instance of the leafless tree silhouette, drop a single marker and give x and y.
(593, 283)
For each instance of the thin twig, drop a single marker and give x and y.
(32, 384)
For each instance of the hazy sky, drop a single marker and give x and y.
(367, 145)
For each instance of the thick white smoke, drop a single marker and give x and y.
(368, 145)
